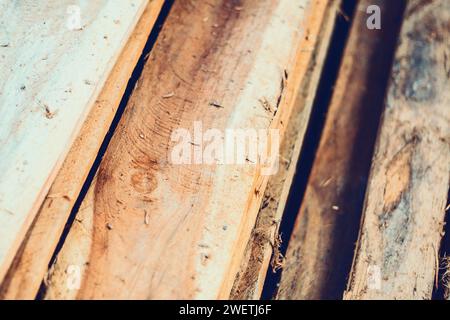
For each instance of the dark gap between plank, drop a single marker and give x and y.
(312, 135)
(123, 103)
(348, 227)
(382, 59)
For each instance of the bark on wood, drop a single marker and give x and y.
(397, 251)
(320, 250)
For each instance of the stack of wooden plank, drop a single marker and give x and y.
(96, 99)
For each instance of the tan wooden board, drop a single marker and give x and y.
(155, 229)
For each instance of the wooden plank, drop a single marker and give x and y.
(164, 230)
(51, 72)
(331, 208)
(397, 252)
(252, 273)
(31, 262)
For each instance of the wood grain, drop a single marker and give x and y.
(321, 247)
(31, 262)
(397, 252)
(162, 230)
(252, 273)
(50, 77)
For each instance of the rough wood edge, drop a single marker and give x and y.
(252, 273)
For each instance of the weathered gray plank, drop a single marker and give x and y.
(397, 252)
